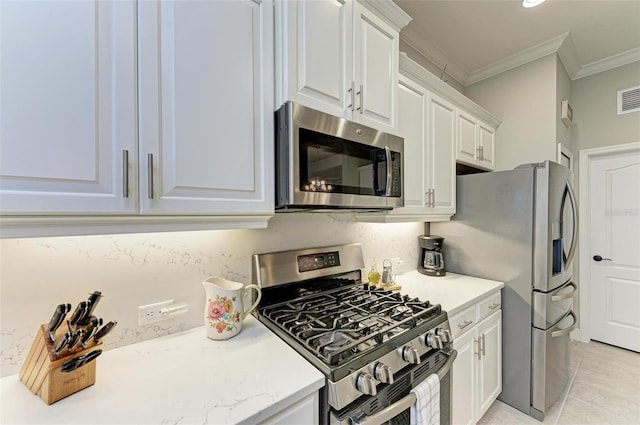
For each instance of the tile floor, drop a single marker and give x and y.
(604, 388)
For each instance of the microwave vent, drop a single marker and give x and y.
(629, 100)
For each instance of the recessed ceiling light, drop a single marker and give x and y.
(531, 3)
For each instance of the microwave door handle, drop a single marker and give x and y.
(574, 212)
(387, 190)
(404, 403)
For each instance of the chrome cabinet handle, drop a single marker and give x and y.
(150, 176)
(464, 324)
(478, 353)
(481, 152)
(351, 92)
(125, 173)
(483, 345)
(361, 94)
(494, 306)
(433, 197)
(478, 152)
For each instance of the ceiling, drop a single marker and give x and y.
(476, 39)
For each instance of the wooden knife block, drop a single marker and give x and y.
(41, 369)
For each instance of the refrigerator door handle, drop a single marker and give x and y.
(561, 332)
(574, 213)
(566, 296)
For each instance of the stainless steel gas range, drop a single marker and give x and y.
(372, 345)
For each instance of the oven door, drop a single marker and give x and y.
(392, 403)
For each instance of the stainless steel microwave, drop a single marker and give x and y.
(326, 162)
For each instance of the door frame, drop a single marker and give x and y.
(584, 241)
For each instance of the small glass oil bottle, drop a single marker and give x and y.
(374, 275)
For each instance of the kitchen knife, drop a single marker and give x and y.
(78, 313)
(79, 361)
(91, 328)
(64, 340)
(93, 302)
(104, 330)
(57, 319)
(75, 339)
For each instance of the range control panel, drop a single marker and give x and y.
(312, 262)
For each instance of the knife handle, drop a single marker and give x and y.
(104, 330)
(93, 302)
(57, 319)
(79, 312)
(74, 339)
(91, 328)
(63, 342)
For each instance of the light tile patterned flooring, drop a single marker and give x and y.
(604, 388)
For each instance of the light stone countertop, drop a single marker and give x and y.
(454, 292)
(180, 378)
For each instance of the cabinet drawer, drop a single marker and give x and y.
(463, 321)
(489, 305)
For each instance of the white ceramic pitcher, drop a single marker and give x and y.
(224, 308)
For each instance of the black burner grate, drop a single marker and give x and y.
(341, 324)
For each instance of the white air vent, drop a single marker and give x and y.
(629, 100)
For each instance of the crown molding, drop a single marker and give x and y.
(391, 12)
(525, 56)
(569, 57)
(606, 64)
(434, 55)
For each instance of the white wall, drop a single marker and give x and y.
(524, 98)
(596, 123)
(131, 270)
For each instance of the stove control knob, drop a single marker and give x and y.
(410, 355)
(366, 384)
(382, 373)
(432, 340)
(445, 334)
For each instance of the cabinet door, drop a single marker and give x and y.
(315, 69)
(490, 367)
(464, 379)
(487, 143)
(467, 144)
(412, 126)
(440, 155)
(206, 105)
(375, 69)
(306, 411)
(67, 105)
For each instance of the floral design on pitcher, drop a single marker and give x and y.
(221, 315)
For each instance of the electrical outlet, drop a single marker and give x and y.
(152, 313)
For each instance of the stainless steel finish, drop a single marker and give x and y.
(550, 364)
(504, 229)
(291, 118)
(343, 392)
(433, 197)
(360, 93)
(549, 307)
(479, 352)
(366, 384)
(574, 232)
(387, 153)
(403, 404)
(482, 350)
(410, 355)
(125, 173)
(433, 340)
(150, 176)
(382, 373)
(445, 334)
(286, 263)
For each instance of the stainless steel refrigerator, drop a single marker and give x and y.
(520, 227)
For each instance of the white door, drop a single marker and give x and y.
(486, 137)
(467, 139)
(206, 105)
(375, 70)
(490, 367)
(318, 38)
(615, 236)
(465, 370)
(67, 102)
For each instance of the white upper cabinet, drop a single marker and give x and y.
(441, 200)
(205, 124)
(340, 57)
(179, 125)
(476, 142)
(67, 102)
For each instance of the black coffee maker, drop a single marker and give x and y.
(431, 260)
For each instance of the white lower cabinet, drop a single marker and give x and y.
(477, 373)
(305, 411)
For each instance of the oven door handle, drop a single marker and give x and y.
(404, 403)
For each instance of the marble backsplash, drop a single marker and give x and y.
(36, 274)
